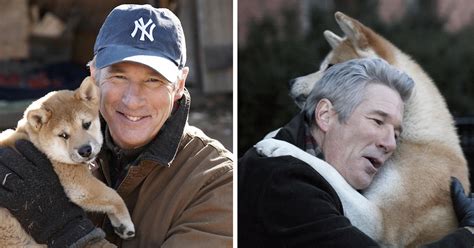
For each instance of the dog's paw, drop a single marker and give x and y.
(274, 148)
(123, 225)
(125, 231)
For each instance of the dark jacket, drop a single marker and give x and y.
(178, 190)
(283, 202)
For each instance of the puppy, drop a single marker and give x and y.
(65, 126)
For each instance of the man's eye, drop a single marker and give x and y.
(154, 80)
(379, 122)
(119, 76)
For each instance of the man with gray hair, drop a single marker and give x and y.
(352, 119)
(357, 105)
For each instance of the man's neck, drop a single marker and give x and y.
(318, 136)
(311, 145)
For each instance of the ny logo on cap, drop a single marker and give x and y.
(140, 25)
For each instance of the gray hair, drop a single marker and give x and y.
(344, 85)
(96, 75)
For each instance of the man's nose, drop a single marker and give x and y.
(387, 142)
(132, 95)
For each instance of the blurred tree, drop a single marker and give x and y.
(271, 58)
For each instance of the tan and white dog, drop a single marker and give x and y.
(65, 126)
(408, 203)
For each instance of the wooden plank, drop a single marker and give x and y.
(14, 28)
(215, 44)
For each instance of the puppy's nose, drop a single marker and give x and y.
(291, 82)
(85, 151)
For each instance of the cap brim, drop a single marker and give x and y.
(112, 55)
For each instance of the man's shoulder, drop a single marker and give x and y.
(252, 162)
(275, 172)
(282, 194)
(202, 155)
(197, 139)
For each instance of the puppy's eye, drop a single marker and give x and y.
(64, 136)
(86, 125)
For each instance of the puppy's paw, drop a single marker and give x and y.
(125, 231)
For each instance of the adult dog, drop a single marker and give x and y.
(408, 203)
(65, 126)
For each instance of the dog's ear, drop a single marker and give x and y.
(353, 29)
(332, 38)
(88, 91)
(37, 118)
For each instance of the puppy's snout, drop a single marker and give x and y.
(85, 151)
(291, 82)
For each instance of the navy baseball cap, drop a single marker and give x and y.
(142, 34)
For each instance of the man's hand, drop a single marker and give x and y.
(31, 191)
(463, 205)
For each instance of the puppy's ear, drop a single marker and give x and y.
(37, 118)
(88, 91)
(353, 29)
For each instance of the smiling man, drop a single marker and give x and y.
(176, 181)
(352, 119)
(136, 101)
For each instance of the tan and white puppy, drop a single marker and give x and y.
(65, 126)
(408, 203)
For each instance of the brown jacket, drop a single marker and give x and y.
(179, 191)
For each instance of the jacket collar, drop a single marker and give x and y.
(294, 131)
(163, 148)
(297, 132)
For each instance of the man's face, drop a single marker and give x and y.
(360, 146)
(135, 102)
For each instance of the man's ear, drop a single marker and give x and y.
(323, 114)
(181, 83)
(92, 70)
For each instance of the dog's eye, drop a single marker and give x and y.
(86, 125)
(64, 136)
(329, 66)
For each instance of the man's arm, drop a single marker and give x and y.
(363, 214)
(300, 209)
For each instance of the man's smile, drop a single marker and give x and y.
(131, 117)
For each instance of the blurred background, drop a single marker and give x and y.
(45, 45)
(280, 40)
